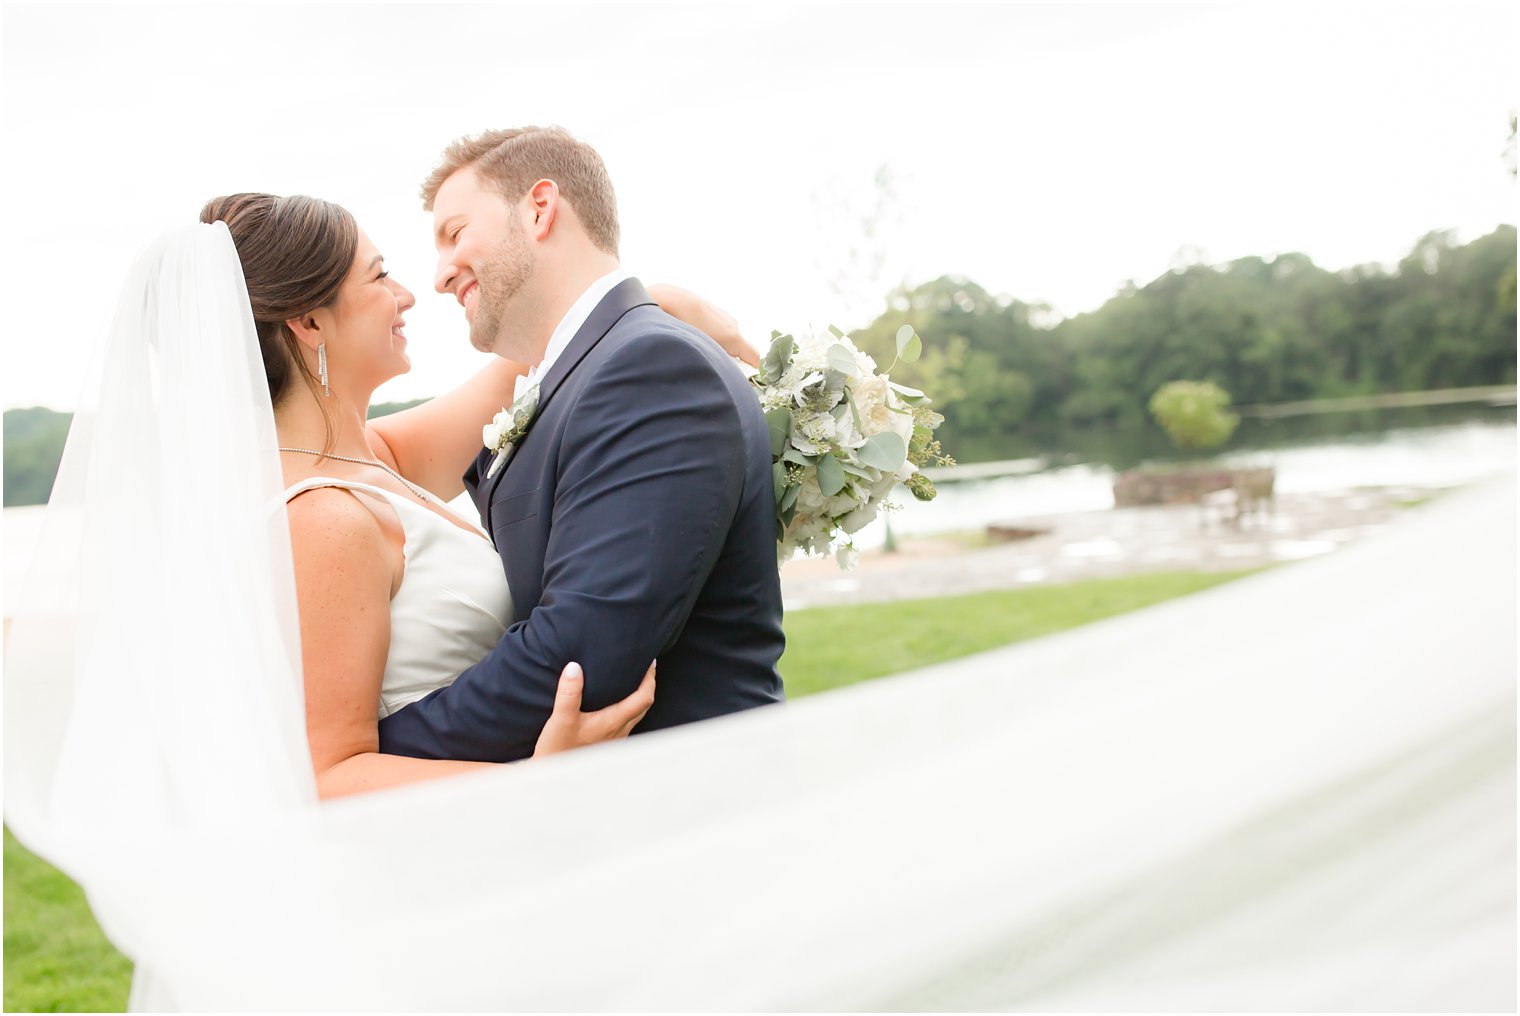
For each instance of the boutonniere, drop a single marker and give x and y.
(508, 427)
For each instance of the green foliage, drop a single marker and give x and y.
(387, 408)
(33, 448)
(1274, 329)
(1194, 414)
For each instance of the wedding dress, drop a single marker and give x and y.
(1296, 791)
(453, 605)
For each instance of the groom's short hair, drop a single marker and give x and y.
(514, 160)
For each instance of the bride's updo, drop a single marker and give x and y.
(296, 251)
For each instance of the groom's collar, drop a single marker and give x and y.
(608, 311)
(568, 325)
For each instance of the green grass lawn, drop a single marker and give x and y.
(56, 959)
(830, 647)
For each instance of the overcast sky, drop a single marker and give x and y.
(1047, 152)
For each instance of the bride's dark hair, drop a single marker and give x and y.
(296, 251)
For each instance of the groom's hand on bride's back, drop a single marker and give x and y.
(568, 727)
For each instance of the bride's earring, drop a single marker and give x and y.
(322, 369)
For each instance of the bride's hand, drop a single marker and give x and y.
(697, 312)
(568, 727)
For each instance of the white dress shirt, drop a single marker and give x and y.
(568, 325)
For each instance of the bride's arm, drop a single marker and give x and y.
(346, 571)
(434, 443)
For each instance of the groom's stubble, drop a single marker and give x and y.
(502, 280)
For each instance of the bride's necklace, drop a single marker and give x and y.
(408, 484)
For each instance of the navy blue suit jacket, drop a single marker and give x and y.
(635, 520)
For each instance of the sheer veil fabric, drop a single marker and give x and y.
(1294, 792)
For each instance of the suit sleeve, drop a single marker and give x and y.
(649, 481)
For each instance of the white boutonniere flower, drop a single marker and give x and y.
(508, 427)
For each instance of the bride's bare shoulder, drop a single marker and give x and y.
(345, 529)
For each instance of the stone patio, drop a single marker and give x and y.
(1118, 541)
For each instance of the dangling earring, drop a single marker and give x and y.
(322, 369)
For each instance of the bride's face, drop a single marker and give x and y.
(369, 345)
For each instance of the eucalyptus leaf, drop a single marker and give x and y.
(831, 476)
(793, 455)
(912, 393)
(778, 479)
(857, 471)
(791, 497)
(836, 332)
(779, 420)
(833, 381)
(787, 514)
(778, 358)
(842, 360)
(909, 346)
(884, 451)
(854, 410)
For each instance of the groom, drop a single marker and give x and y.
(635, 517)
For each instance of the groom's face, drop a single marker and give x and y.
(484, 259)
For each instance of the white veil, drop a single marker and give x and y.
(1294, 792)
(153, 667)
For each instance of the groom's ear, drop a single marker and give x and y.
(543, 209)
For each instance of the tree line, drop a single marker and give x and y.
(1266, 329)
(1273, 329)
(34, 439)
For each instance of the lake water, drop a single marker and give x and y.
(1444, 455)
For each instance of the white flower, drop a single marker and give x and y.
(810, 499)
(859, 518)
(812, 435)
(882, 487)
(808, 530)
(491, 433)
(876, 403)
(813, 352)
(865, 362)
(847, 556)
(849, 435)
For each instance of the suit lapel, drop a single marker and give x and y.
(621, 299)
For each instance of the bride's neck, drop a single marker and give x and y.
(333, 425)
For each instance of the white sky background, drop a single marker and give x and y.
(1047, 152)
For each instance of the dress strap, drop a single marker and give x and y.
(313, 482)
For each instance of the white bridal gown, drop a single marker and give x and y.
(1296, 791)
(453, 605)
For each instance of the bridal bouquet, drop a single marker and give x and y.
(843, 435)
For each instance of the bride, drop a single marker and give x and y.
(397, 593)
